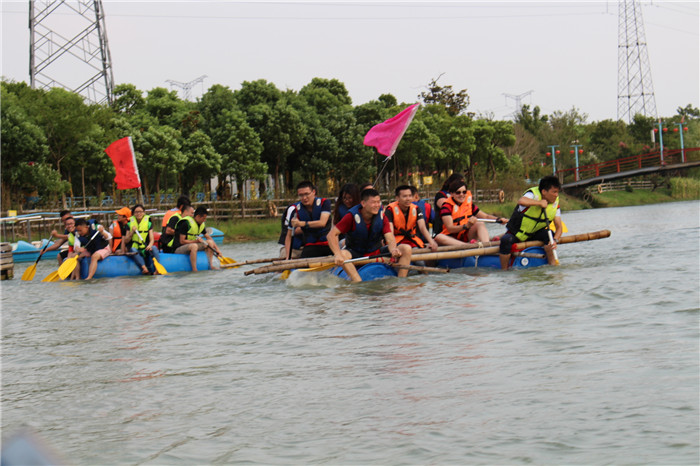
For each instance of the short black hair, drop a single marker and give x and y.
(549, 182)
(183, 201)
(306, 184)
(402, 188)
(369, 192)
(81, 221)
(62, 213)
(201, 210)
(137, 205)
(413, 189)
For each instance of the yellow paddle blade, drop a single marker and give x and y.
(320, 268)
(28, 274)
(553, 227)
(226, 260)
(52, 277)
(285, 274)
(159, 267)
(67, 267)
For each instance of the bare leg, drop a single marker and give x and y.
(445, 240)
(405, 259)
(505, 261)
(479, 232)
(350, 267)
(94, 259)
(193, 255)
(210, 254)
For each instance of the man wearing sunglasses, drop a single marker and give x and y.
(460, 217)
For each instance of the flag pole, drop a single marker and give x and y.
(386, 161)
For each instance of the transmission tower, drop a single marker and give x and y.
(186, 87)
(635, 90)
(518, 101)
(68, 48)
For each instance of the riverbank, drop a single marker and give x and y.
(269, 229)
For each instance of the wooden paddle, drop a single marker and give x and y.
(28, 274)
(69, 264)
(159, 268)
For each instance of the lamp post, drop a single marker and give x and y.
(576, 151)
(680, 130)
(553, 153)
(661, 130)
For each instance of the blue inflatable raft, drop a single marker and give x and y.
(119, 266)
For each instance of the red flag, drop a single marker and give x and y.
(124, 159)
(387, 135)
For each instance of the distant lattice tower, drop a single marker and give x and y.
(68, 48)
(187, 87)
(635, 90)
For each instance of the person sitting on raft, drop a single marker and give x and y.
(365, 226)
(142, 241)
(59, 238)
(531, 218)
(119, 229)
(93, 244)
(187, 236)
(440, 198)
(460, 218)
(313, 216)
(170, 221)
(407, 220)
(348, 198)
(296, 238)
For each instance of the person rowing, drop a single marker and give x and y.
(313, 215)
(187, 236)
(460, 218)
(365, 226)
(536, 209)
(142, 241)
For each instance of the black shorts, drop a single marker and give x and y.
(509, 239)
(63, 254)
(316, 250)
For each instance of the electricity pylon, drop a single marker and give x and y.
(635, 90)
(68, 48)
(186, 87)
(518, 102)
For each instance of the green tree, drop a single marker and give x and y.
(157, 154)
(239, 146)
(202, 161)
(456, 103)
(127, 99)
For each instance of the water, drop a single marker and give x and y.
(594, 361)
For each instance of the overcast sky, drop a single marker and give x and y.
(564, 52)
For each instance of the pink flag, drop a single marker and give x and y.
(386, 136)
(124, 159)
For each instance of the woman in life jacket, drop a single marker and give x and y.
(143, 240)
(460, 217)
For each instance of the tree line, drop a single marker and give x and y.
(53, 142)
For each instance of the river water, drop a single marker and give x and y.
(595, 361)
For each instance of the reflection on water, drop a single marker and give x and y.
(568, 364)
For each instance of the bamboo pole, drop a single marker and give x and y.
(469, 250)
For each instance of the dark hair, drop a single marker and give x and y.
(306, 184)
(364, 186)
(62, 213)
(403, 187)
(369, 192)
(183, 201)
(201, 210)
(549, 182)
(414, 190)
(81, 221)
(137, 205)
(451, 179)
(456, 184)
(353, 191)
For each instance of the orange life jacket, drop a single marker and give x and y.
(167, 216)
(406, 228)
(117, 235)
(460, 215)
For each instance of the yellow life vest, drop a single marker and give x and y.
(142, 227)
(533, 219)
